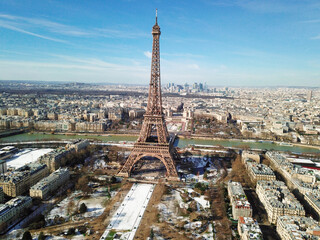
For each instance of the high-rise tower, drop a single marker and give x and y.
(154, 138)
(309, 95)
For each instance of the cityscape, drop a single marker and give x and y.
(96, 144)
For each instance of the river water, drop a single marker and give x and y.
(179, 142)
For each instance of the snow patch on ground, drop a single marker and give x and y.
(100, 164)
(61, 209)
(197, 161)
(203, 202)
(94, 205)
(55, 238)
(79, 236)
(200, 200)
(14, 234)
(180, 200)
(26, 156)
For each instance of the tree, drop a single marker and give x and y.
(201, 186)
(151, 234)
(71, 231)
(41, 236)
(187, 155)
(83, 185)
(70, 207)
(83, 208)
(113, 179)
(205, 175)
(82, 229)
(38, 222)
(27, 236)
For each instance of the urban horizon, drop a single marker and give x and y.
(53, 82)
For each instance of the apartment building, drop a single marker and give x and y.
(78, 145)
(298, 228)
(1, 195)
(49, 184)
(55, 159)
(278, 200)
(13, 209)
(238, 199)
(259, 171)
(250, 155)
(313, 199)
(293, 174)
(249, 229)
(19, 181)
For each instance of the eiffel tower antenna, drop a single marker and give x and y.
(154, 139)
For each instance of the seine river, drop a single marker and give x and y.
(180, 142)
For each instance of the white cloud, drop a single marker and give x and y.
(193, 66)
(45, 24)
(312, 21)
(66, 30)
(11, 27)
(148, 54)
(316, 37)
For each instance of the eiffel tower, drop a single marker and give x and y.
(154, 140)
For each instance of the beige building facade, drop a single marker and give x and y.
(12, 210)
(278, 200)
(47, 185)
(238, 199)
(18, 182)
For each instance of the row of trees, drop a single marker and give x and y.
(75, 158)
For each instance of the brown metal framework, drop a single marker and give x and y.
(154, 138)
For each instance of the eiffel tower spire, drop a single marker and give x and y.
(154, 138)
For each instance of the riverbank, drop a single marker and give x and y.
(91, 135)
(249, 140)
(11, 132)
(180, 142)
(86, 134)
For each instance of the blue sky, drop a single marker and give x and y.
(221, 42)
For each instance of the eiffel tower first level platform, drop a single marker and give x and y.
(154, 138)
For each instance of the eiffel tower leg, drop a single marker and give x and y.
(175, 156)
(171, 169)
(170, 158)
(126, 169)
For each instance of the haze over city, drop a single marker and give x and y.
(222, 43)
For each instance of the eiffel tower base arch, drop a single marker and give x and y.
(163, 152)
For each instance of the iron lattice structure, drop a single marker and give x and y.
(153, 140)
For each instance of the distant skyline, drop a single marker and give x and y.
(220, 42)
